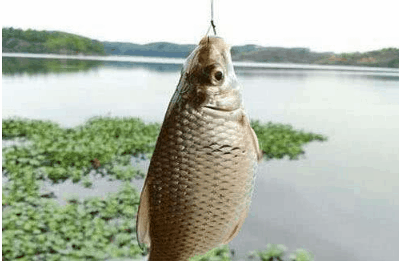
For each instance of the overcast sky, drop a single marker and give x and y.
(336, 25)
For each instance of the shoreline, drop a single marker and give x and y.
(179, 61)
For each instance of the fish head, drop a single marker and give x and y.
(208, 79)
(210, 76)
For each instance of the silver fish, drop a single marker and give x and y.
(198, 188)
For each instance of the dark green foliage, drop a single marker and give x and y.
(32, 41)
(18, 127)
(279, 140)
(393, 63)
(273, 252)
(95, 229)
(57, 41)
(28, 35)
(277, 252)
(22, 186)
(58, 153)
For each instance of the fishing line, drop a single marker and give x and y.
(212, 23)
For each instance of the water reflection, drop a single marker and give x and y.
(155, 67)
(298, 74)
(31, 66)
(18, 66)
(271, 73)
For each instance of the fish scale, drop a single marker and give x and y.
(199, 183)
(178, 152)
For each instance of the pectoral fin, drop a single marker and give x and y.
(253, 138)
(143, 218)
(259, 152)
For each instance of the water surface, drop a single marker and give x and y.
(340, 201)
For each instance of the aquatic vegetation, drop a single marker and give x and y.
(36, 227)
(57, 153)
(279, 140)
(273, 252)
(301, 255)
(18, 127)
(94, 229)
(21, 186)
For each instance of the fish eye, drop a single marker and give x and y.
(219, 75)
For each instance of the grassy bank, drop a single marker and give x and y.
(36, 227)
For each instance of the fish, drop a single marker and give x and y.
(199, 184)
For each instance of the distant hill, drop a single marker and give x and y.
(276, 54)
(31, 41)
(387, 57)
(160, 49)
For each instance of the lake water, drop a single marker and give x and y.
(340, 201)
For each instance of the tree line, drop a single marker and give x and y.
(33, 41)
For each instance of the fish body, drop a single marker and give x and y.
(199, 184)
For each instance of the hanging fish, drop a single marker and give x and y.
(200, 180)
